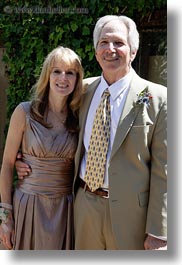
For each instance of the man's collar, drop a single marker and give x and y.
(119, 86)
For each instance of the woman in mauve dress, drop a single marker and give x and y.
(39, 214)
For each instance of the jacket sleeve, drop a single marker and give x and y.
(157, 207)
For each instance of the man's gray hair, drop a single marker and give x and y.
(133, 35)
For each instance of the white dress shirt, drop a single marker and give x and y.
(118, 92)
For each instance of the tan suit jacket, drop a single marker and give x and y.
(137, 166)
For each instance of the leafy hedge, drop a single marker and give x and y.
(31, 29)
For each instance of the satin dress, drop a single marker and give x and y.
(43, 201)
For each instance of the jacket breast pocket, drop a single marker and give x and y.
(140, 131)
(143, 119)
(142, 125)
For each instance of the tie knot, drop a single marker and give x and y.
(106, 93)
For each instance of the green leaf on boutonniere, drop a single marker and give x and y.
(143, 98)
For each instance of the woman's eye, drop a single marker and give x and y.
(70, 73)
(56, 72)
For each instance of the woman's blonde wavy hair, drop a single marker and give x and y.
(40, 98)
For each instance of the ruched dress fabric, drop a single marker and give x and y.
(43, 201)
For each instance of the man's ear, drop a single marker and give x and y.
(133, 55)
(96, 55)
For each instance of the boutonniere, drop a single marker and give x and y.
(144, 98)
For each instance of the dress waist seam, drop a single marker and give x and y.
(53, 194)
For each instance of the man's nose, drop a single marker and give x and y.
(111, 46)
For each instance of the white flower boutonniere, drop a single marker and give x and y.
(144, 98)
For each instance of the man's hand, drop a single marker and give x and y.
(22, 168)
(153, 243)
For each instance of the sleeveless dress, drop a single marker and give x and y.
(43, 201)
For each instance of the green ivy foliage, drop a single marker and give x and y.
(29, 30)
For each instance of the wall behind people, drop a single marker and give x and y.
(29, 32)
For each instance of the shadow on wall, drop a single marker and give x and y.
(158, 69)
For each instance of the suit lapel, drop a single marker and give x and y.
(86, 104)
(129, 113)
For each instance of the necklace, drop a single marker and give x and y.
(60, 116)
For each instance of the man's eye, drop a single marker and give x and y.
(119, 43)
(103, 42)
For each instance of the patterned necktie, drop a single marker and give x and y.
(98, 146)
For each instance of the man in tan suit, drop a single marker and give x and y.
(129, 211)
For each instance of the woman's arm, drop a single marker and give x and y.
(13, 142)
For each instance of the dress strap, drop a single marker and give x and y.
(26, 107)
